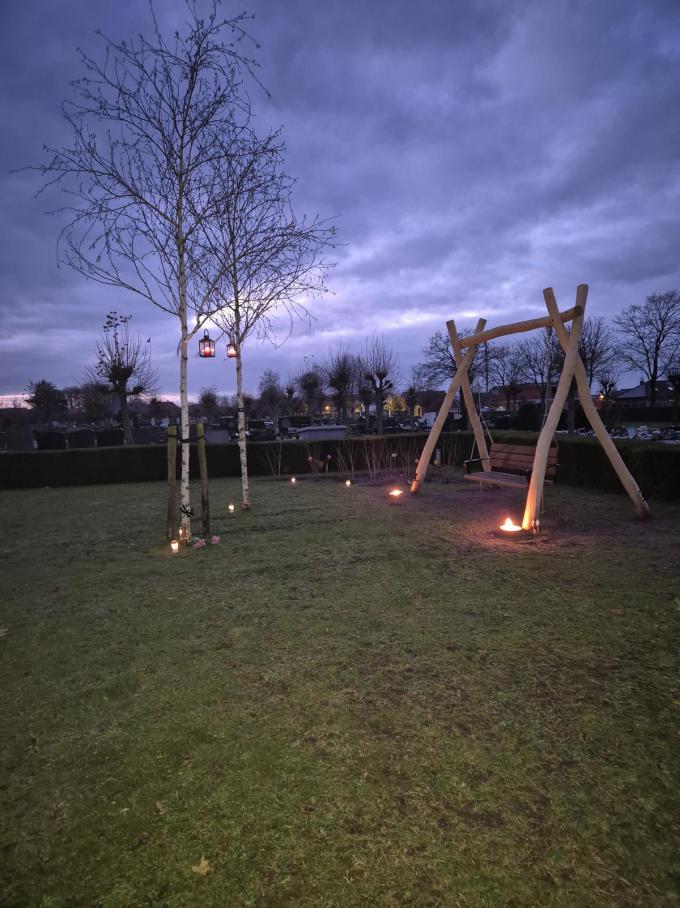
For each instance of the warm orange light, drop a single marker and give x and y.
(174, 545)
(509, 526)
(231, 508)
(395, 493)
(348, 483)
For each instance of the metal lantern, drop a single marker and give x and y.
(206, 347)
(231, 349)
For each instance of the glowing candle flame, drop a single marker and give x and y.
(174, 545)
(348, 483)
(293, 480)
(509, 526)
(231, 508)
(395, 493)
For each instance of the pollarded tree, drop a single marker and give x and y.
(143, 171)
(380, 368)
(339, 371)
(271, 395)
(310, 383)
(269, 258)
(650, 336)
(124, 364)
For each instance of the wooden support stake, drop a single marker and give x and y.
(535, 493)
(170, 521)
(593, 417)
(468, 397)
(203, 471)
(435, 431)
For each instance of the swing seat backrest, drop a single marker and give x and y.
(519, 460)
(511, 466)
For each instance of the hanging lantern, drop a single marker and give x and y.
(206, 347)
(231, 349)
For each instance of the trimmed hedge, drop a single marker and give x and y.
(656, 467)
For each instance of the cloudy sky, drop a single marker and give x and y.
(472, 152)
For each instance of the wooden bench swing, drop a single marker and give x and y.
(511, 466)
(531, 467)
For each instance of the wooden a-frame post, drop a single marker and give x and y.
(535, 493)
(468, 397)
(435, 431)
(593, 416)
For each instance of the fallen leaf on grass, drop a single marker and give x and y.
(161, 810)
(202, 868)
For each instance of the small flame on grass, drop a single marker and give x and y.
(395, 493)
(509, 526)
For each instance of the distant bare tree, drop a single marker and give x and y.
(507, 371)
(607, 381)
(124, 363)
(650, 336)
(208, 402)
(597, 348)
(380, 368)
(412, 392)
(540, 358)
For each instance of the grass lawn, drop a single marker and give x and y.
(349, 701)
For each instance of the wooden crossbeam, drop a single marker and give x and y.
(517, 327)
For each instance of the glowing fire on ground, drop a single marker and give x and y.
(395, 493)
(509, 526)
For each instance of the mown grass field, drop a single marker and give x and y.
(348, 702)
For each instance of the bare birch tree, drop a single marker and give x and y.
(269, 258)
(148, 124)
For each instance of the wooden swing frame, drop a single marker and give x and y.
(573, 368)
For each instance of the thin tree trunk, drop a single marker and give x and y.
(185, 496)
(245, 495)
(378, 412)
(125, 418)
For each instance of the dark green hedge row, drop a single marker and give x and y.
(656, 467)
